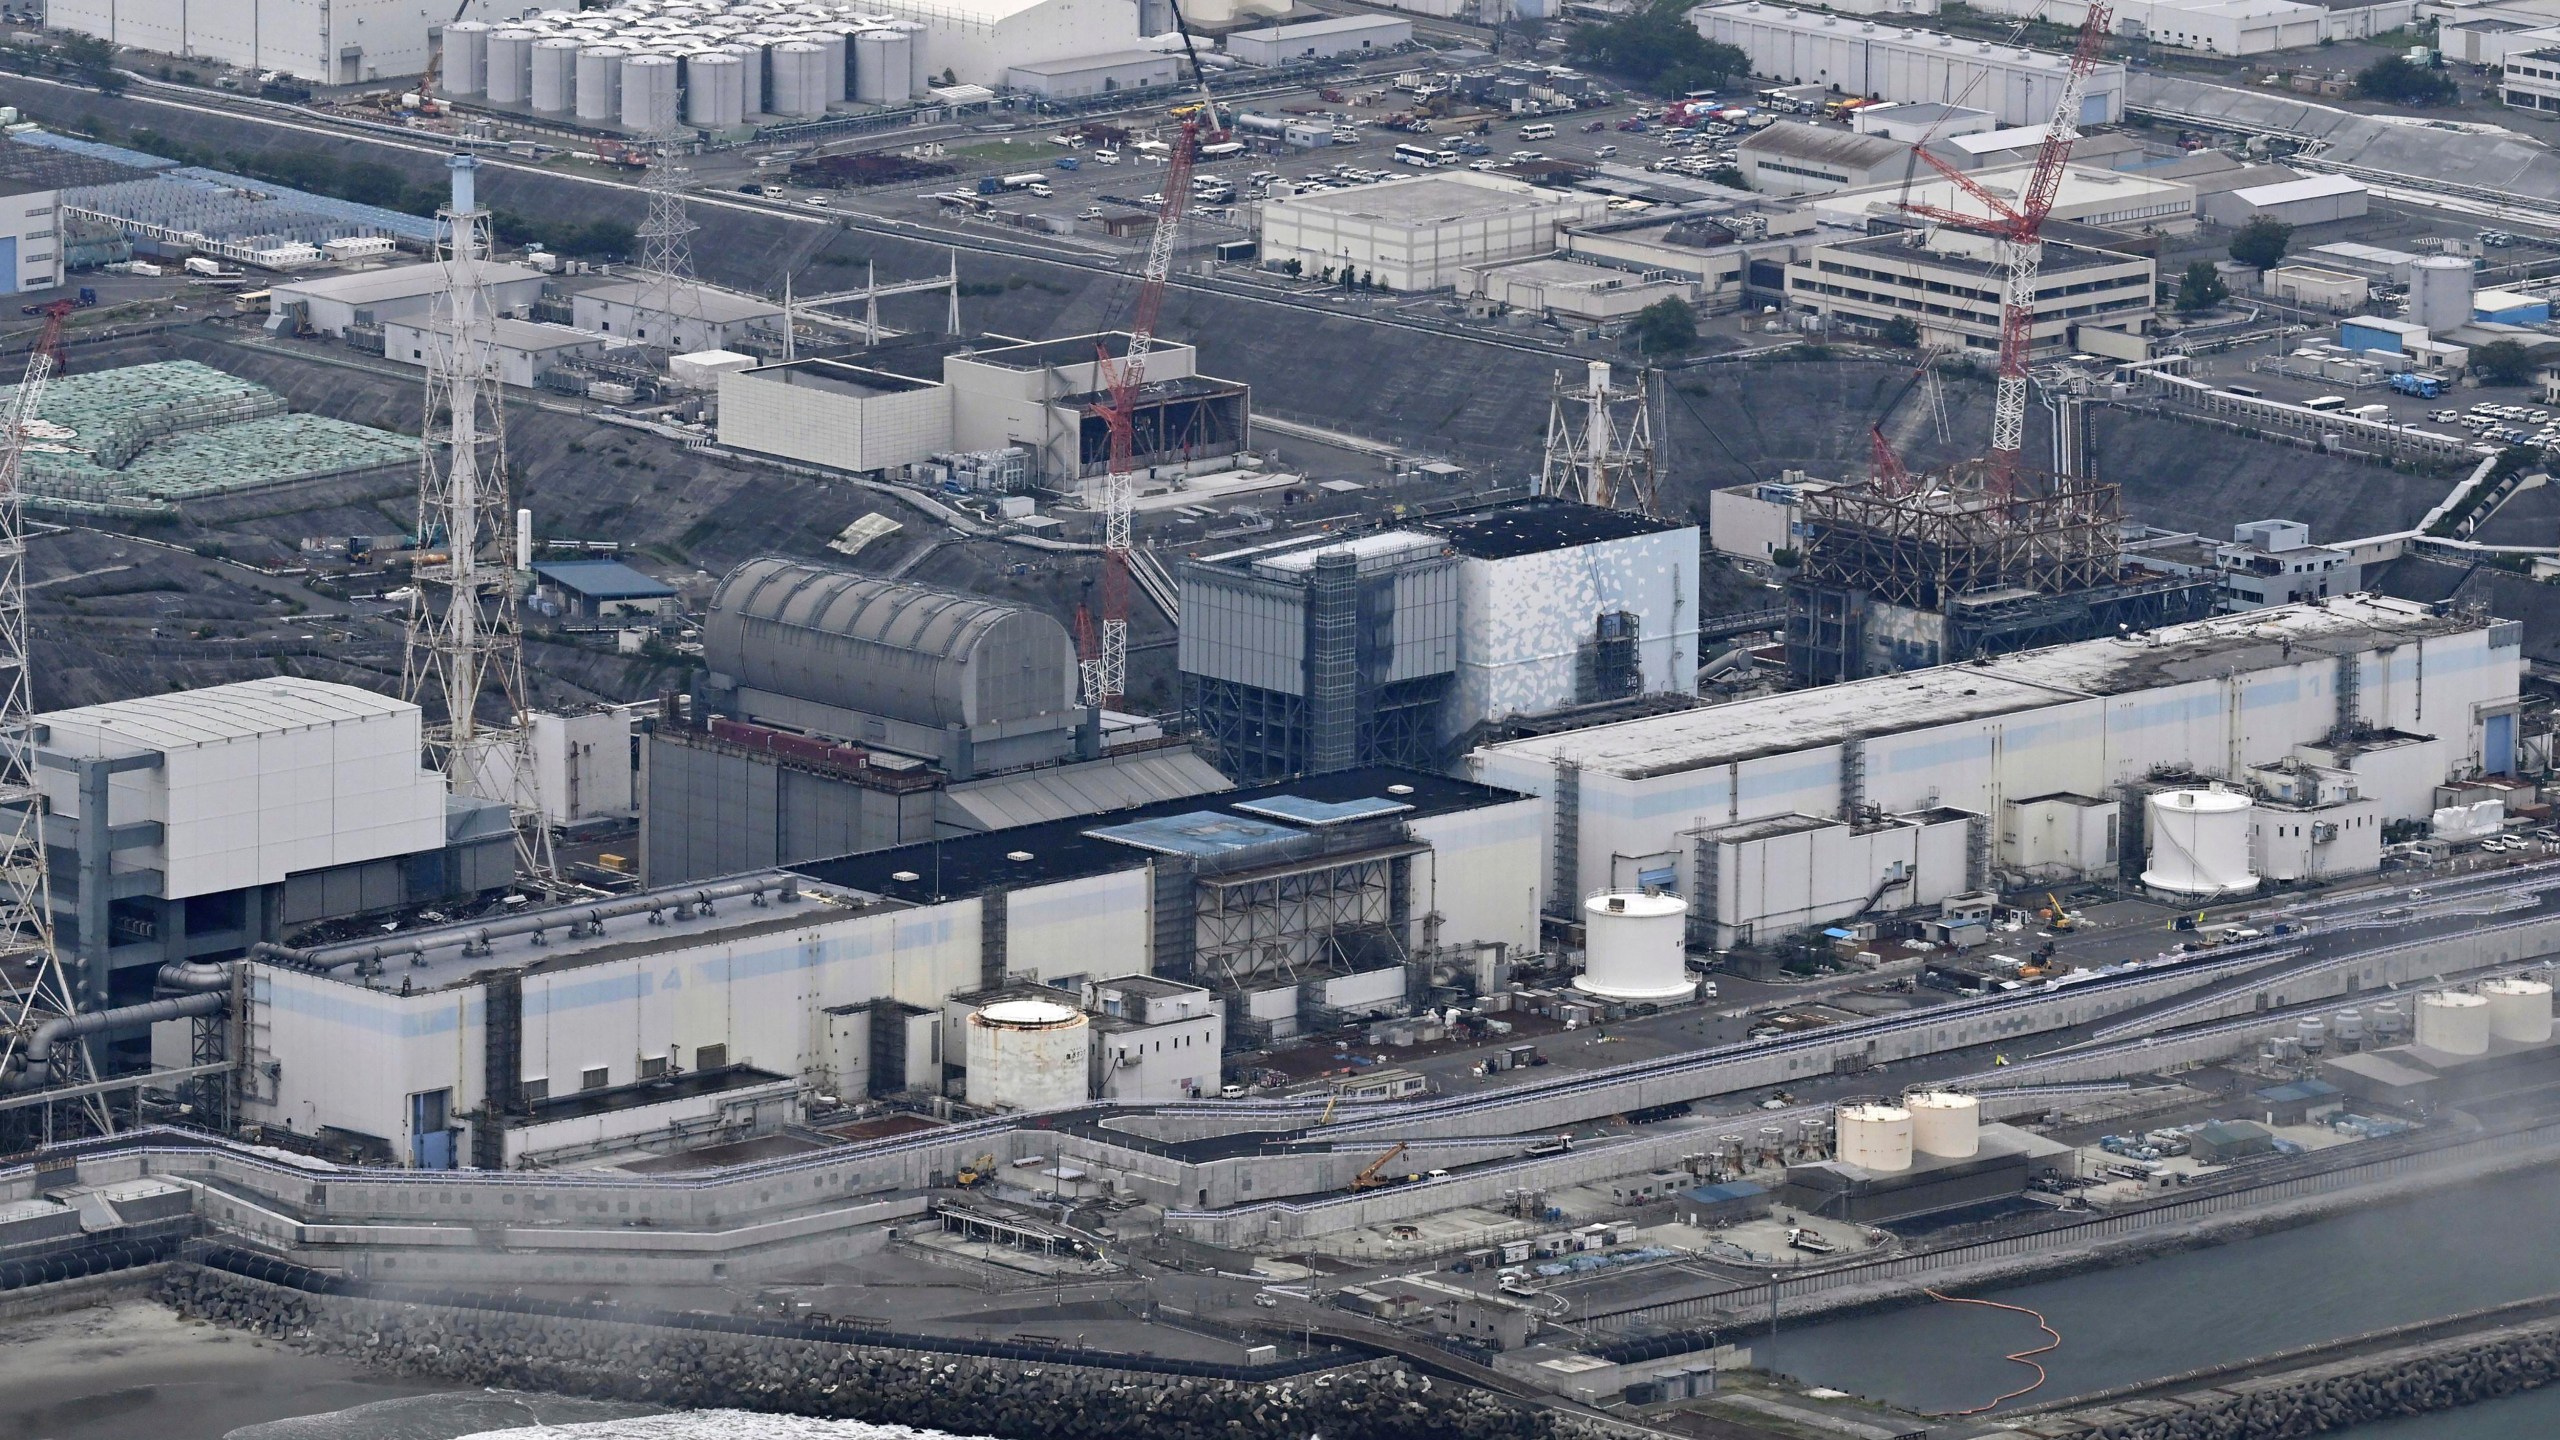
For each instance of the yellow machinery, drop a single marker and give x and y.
(1369, 1179)
(977, 1172)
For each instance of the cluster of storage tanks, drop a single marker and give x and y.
(1887, 1139)
(2452, 1022)
(640, 63)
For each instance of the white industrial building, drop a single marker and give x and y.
(682, 316)
(1086, 75)
(977, 41)
(328, 304)
(1921, 122)
(1773, 814)
(516, 351)
(1949, 283)
(2226, 27)
(31, 239)
(346, 42)
(1571, 289)
(1040, 397)
(2108, 199)
(1860, 57)
(1792, 158)
(651, 1019)
(2309, 200)
(1332, 38)
(1417, 234)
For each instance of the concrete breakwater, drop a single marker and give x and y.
(971, 1395)
(2438, 1373)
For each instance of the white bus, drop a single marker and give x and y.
(2326, 402)
(1421, 155)
(1539, 131)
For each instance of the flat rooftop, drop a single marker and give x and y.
(1532, 527)
(445, 962)
(1431, 200)
(393, 282)
(1950, 694)
(2058, 256)
(837, 378)
(690, 301)
(1100, 844)
(218, 713)
(1049, 354)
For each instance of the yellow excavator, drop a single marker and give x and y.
(2055, 917)
(1371, 1179)
(976, 1172)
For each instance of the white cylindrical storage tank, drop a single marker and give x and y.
(466, 58)
(870, 66)
(751, 87)
(831, 89)
(554, 90)
(2454, 1022)
(1028, 1055)
(919, 67)
(1876, 1137)
(799, 89)
(2440, 292)
(1945, 1124)
(716, 99)
(2199, 843)
(2519, 1010)
(510, 76)
(1636, 948)
(649, 94)
(600, 84)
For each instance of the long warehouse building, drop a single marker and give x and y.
(1860, 57)
(1779, 813)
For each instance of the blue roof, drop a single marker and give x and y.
(1731, 1190)
(2298, 1090)
(1319, 813)
(95, 150)
(604, 580)
(1202, 834)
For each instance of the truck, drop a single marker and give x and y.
(1069, 162)
(2425, 387)
(1019, 182)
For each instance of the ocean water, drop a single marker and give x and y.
(720, 1425)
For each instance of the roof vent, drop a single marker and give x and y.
(1399, 789)
(1018, 856)
(905, 877)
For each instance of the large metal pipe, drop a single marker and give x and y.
(36, 1072)
(195, 977)
(576, 919)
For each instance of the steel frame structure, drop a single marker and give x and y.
(464, 645)
(1293, 919)
(1600, 447)
(1923, 550)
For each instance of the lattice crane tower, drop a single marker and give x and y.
(465, 650)
(1600, 443)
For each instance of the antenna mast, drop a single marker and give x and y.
(465, 648)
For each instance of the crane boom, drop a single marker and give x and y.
(2017, 230)
(1104, 665)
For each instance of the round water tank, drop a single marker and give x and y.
(1876, 1137)
(2390, 1020)
(2199, 843)
(799, 81)
(1028, 1055)
(510, 76)
(2440, 292)
(880, 60)
(2519, 1010)
(2314, 1035)
(1945, 1124)
(1636, 948)
(554, 89)
(649, 94)
(600, 84)
(751, 76)
(466, 58)
(831, 64)
(2348, 1027)
(717, 98)
(2454, 1022)
(919, 73)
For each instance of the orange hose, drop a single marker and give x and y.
(2021, 1357)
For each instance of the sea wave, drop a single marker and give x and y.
(719, 1425)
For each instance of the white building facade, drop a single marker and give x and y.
(1950, 285)
(1667, 800)
(1860, 57)
(328, 42)
(1417, 234)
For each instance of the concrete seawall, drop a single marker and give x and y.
(607, 1358)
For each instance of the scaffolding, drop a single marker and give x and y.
(1928, 547)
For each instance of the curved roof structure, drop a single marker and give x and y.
(883, 647)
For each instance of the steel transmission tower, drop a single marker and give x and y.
(1600, 443)
(464, 648)
(34, 988)
(666, 240)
